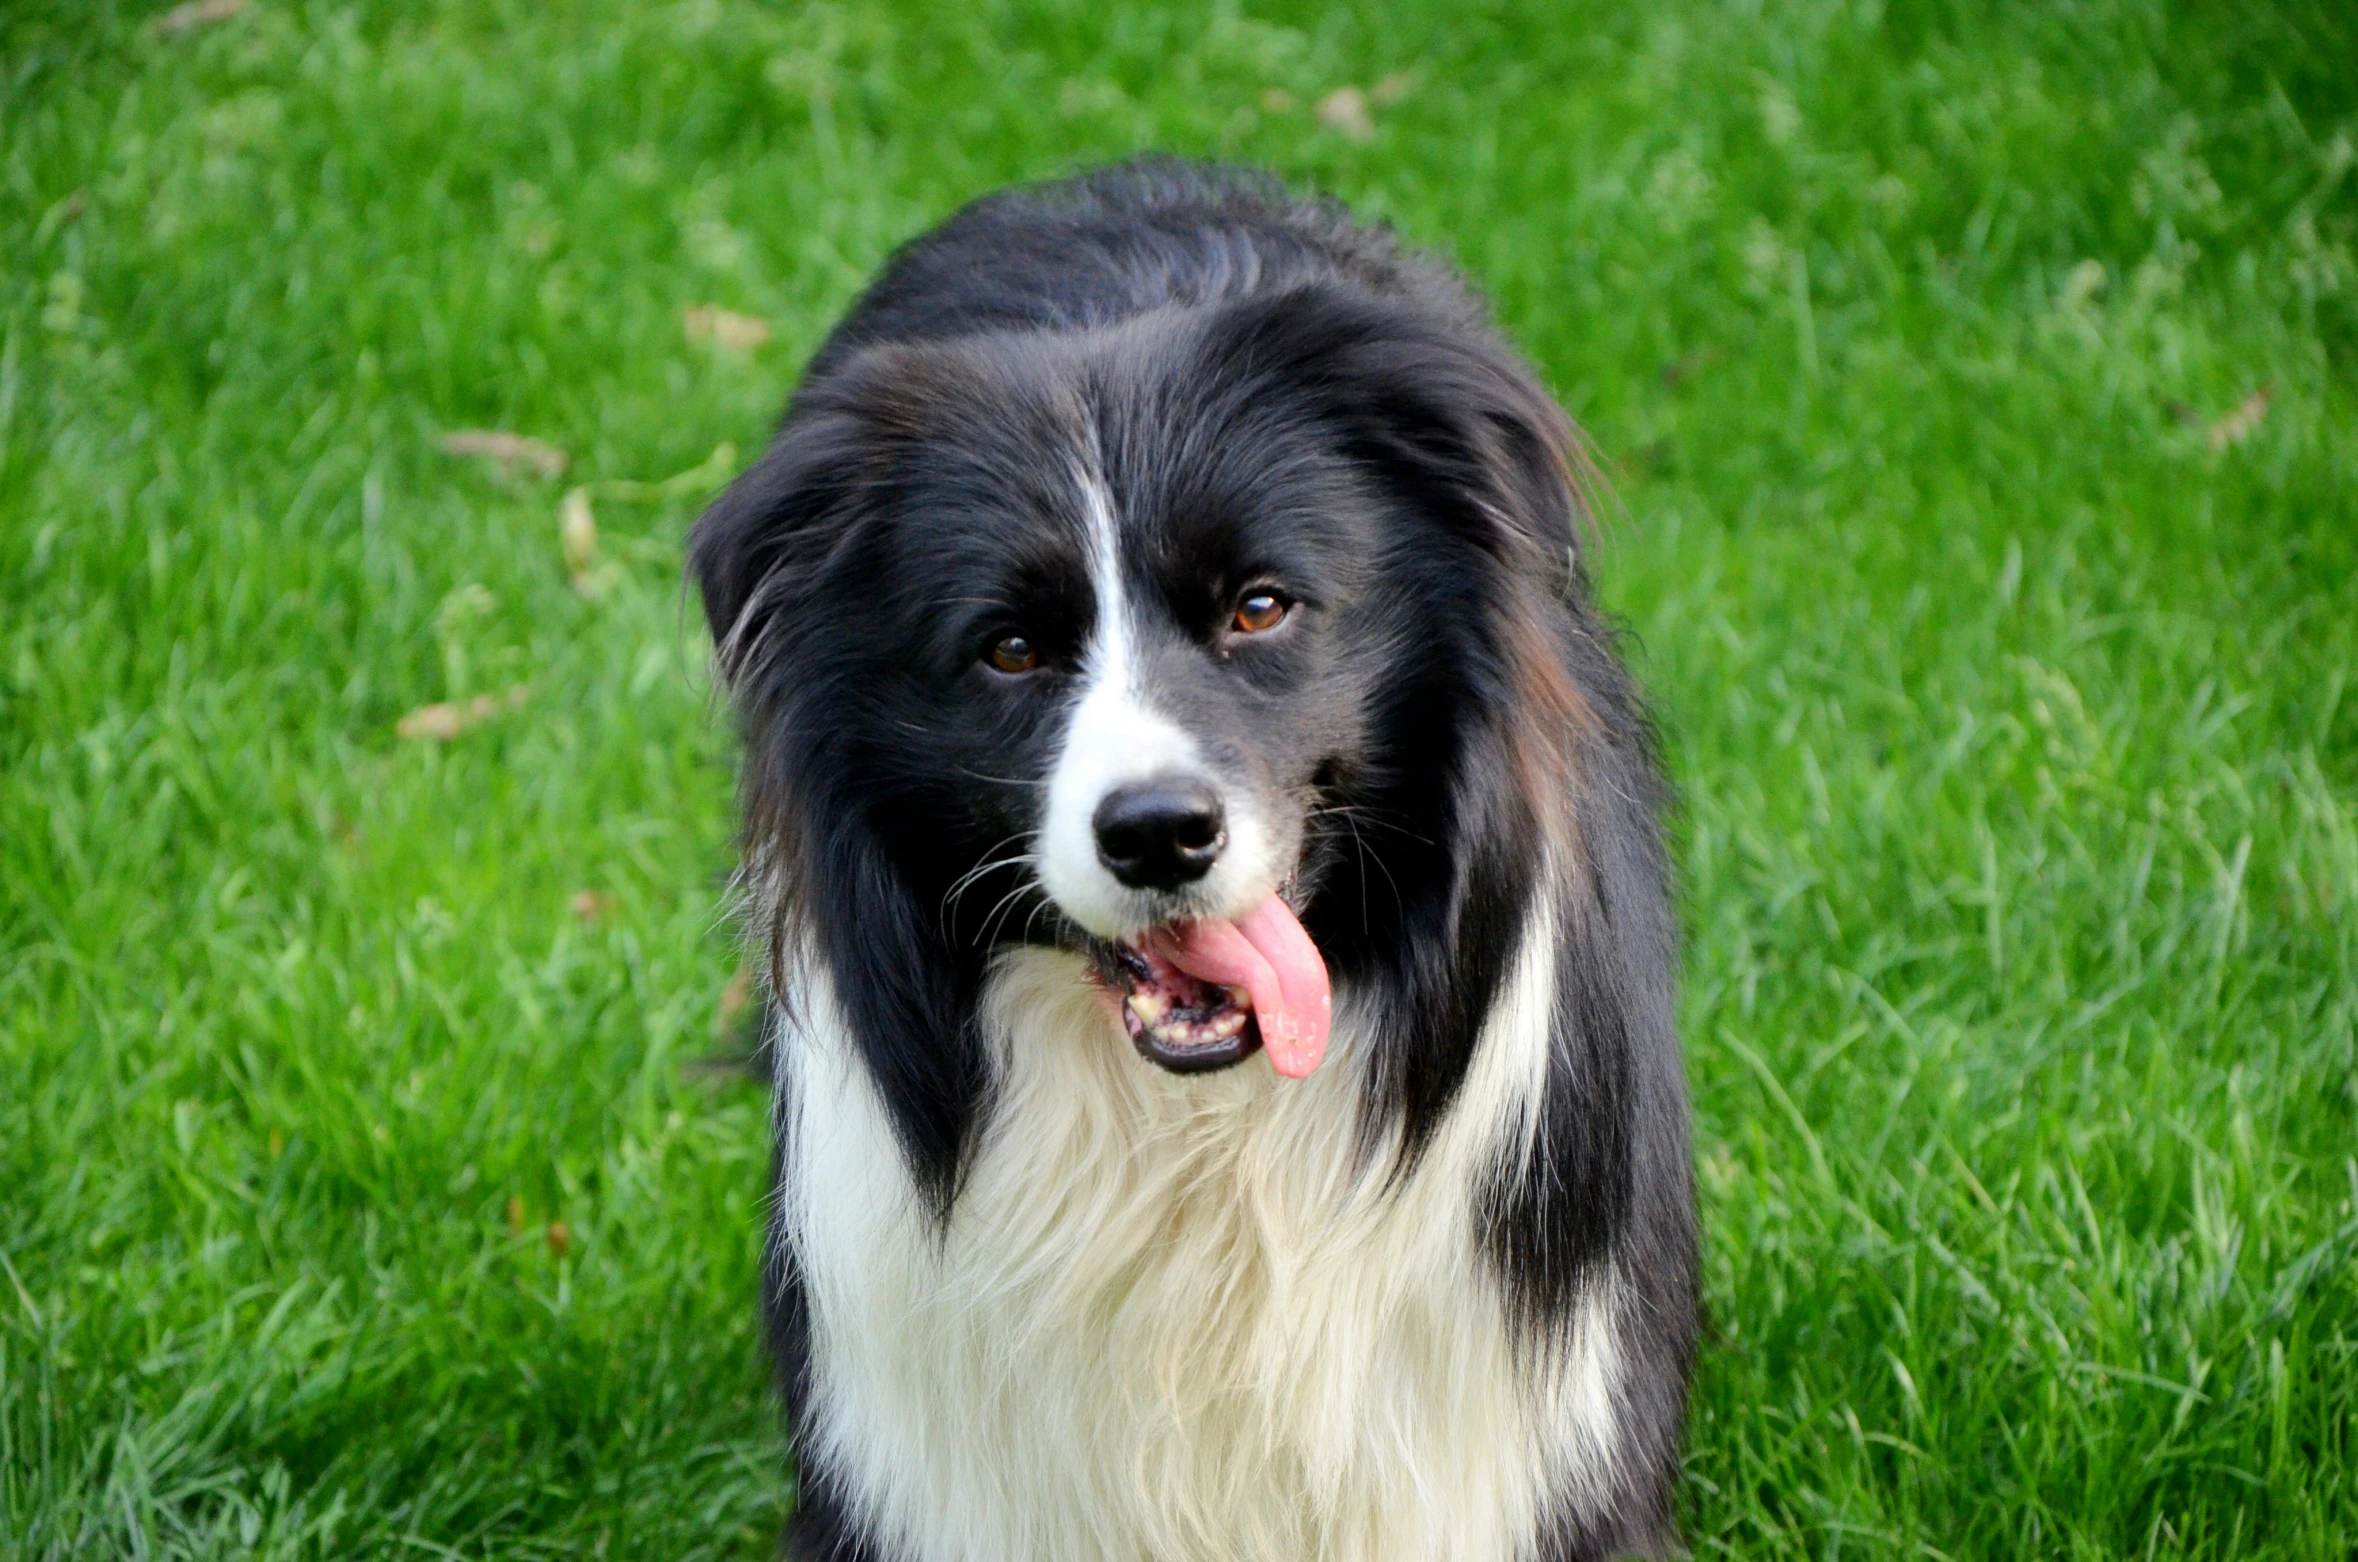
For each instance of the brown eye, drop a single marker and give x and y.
(1014, 655)
(1258, 612)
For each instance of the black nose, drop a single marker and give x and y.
(1160, 834)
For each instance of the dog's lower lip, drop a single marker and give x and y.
(1203, 1059)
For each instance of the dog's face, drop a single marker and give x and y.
(1129, 631)
(1117, 631)
(1072, 638)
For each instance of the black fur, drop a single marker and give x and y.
(1255, 372)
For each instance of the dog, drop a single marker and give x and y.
(1208, 858)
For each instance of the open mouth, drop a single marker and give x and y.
(1187, 1025)
(1206, 994)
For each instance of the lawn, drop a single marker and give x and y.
(1977, 384)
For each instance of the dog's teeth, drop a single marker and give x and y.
(1227, 1024)
(1242, 999)
(1148, 1007)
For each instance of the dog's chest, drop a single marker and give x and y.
(1165, 1321)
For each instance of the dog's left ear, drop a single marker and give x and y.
(747, 549)
(1441, 408)
(760, 556)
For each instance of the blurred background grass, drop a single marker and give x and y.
(1977, 384)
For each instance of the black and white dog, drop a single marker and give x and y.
(1208, 857)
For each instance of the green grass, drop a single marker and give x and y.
(2007, 693)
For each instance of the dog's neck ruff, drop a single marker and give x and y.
(1181, 1319)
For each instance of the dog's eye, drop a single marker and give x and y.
(1259, 611)
(1014, 654)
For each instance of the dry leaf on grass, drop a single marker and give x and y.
(577, 533)
(713, 472)
(2237, 426)
(436, 723)
(2083, 283)
(515, 1214)
(1345, 110)
(726, 328)
(1392, 88)
(197, 13)
(446, 719)
(509, 450)
(589, 905)
(560, 1239)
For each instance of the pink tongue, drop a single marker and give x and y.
(1266, 953)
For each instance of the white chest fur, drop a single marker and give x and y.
(1172, 1319)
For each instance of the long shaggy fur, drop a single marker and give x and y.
(1030, 1296)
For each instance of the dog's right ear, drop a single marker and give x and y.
(747, 550)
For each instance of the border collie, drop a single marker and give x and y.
(1207, 857)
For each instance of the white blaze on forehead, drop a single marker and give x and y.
(1115, 737)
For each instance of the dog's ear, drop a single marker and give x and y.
(746, 549)
(760, 556)
(1439, 406)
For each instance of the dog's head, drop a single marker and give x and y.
(1254, 610)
